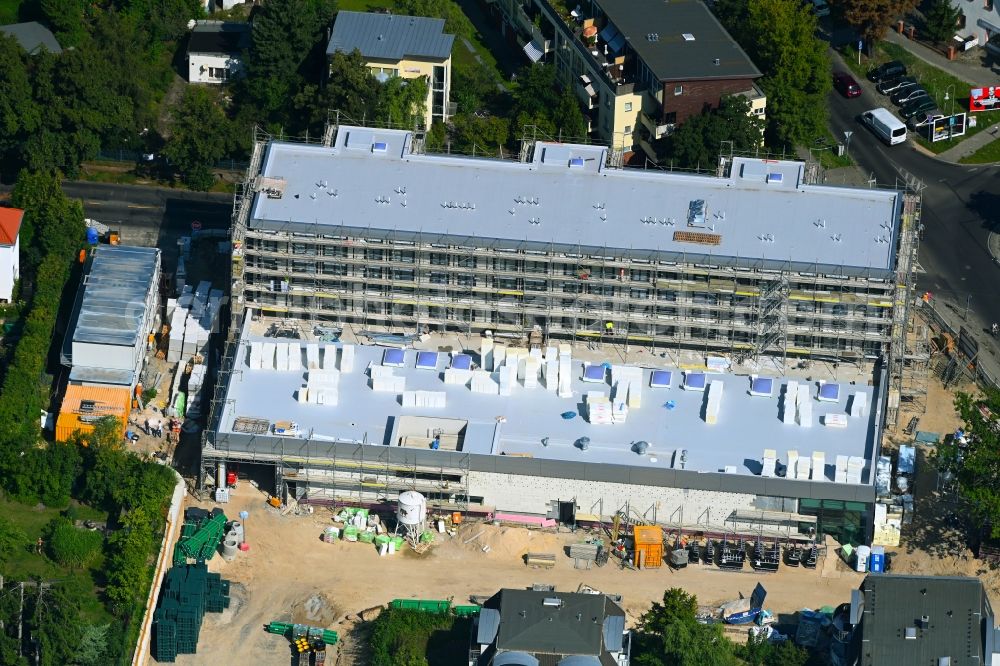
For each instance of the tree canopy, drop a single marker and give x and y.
(200, 136)
(976, 464)
(941, 20)
(780, 37)
(871, 18)
(698, 141)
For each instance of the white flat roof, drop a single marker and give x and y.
(517, 424)
(369, 181)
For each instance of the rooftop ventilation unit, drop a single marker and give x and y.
(554, 602)
(717, 62)
(911, 633)
(380, 147)
(688, 37)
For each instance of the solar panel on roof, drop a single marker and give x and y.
(660, 379)
(394, 357)
(762, 386)
(576, 161)
(427, 360)
(829, 392)
(380, 147)
(594, 373)
(461, 362)
(694, 381)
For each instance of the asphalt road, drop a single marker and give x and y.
(150, 212)
(961, 205)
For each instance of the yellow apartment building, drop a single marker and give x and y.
(408, 46)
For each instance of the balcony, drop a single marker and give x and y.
(605, 47)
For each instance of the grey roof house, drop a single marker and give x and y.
(933, 620)
(390, 37)
(33, 37)
(548, 628)
(409, 47)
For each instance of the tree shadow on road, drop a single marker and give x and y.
(987, 206)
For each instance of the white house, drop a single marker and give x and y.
(980, 19)
(215, 50)
(10, 250)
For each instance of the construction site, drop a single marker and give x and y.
(710, 285)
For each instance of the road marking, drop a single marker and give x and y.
(141, 206)
(95, 203)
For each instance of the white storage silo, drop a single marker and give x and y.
(411, 508)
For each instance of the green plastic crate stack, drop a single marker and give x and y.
(188, 591)
(164, 638)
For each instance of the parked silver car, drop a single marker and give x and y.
(909, 95)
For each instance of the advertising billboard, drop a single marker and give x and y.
(947, 127)
(984, 99)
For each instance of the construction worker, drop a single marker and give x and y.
(609, 328)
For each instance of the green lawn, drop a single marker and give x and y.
(27, 563)
(937, 82)
(985, 155)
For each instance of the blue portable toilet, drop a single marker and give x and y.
(876, 561)
(92, 236)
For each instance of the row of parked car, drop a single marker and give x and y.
(916, 106)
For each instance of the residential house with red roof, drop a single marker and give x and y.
(10, 250)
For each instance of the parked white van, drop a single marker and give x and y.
(888, 127)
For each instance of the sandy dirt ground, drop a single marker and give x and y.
(290, 574)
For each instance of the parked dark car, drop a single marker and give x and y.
(891, 85)
(887, 71)
(905, 94)
(918, 105)
(846, 85)
(923, 119)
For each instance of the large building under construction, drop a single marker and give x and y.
(753, 264)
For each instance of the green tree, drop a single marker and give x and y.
(67, 20)
(19, 115)
(480, 135)
(698, 141)
(474, 87)
(93, 648)
(669, 634)
(871, 18)
(287, 36)
(12, 539)
(977, 463)
(351, 87)
(55, 620)
(402, 102)
(759, 651)
(941, 20)
(455, 20)
(537, 101)
(200, 136)
(780, 37)
(56, 469)
(71, 546)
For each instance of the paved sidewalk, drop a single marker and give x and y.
(971, 145)
(979, 75)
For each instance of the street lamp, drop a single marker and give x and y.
(951, 97)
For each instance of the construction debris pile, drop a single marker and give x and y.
(189, 591)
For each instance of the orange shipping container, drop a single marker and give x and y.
(84, 405)
(648, 546)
